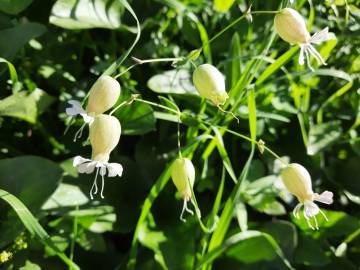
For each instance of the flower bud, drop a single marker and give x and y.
(104, 135)
(103, 95)
(291, 26)
(210, 83)
(183, 172)
(297, 180)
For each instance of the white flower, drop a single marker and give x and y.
(297, 181)
(85, 165)
(104, 135)
(183, 175)
(291, 27)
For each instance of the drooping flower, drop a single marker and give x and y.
(210, 83)
(105, 131)
(183, 176)
(297, 181)
(102, 96)
(291, 27)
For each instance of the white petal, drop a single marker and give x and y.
(87, 118)
(75, 109)
(79, 160)
(114, 169)
(88, 167)
(310, 209)
(102, 167)
(301, 56)
(320, 36)
(325, 197)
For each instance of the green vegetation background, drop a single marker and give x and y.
(53, 51)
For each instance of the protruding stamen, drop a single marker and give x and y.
(228, 112)
(316, 223)
(94, 185)
(306, 50)
(316, 54)
(102, 186)
(183, 211)
(325, 217)
(78, 133)
(296, 210)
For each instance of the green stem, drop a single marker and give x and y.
(140, 62)
(73, 238)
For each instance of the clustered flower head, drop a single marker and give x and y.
(297, 181)
(291, 27)
(183, 176)
(104, 131)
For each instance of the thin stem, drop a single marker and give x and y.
(158, 105)
(178, 137)
(140, 62)
(73, 238)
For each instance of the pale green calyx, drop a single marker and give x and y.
(104, 136)
(210, 83)
(183, 176)
(297, 181)
(103, 95)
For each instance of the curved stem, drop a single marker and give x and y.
(140, 62)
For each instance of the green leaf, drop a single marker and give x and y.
(30, 266)
(309, 252)
(14, 38)
(252, 113)
(172, 82)
(33, 226)
(36, 174)
(13, 75)
(14, 6)
(233, 67)
(323, 135)
(279, 62)
(136, 119)
(65, 195)
(83, 14)
(223, 5)
(25, 106)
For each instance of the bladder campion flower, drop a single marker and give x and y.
(210, 83)
(105, 133)
(102, 96)
(183, 175)
(297, 181)
(291, 27)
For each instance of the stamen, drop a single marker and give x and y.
(306, 50)
(323, 215)
(316, 223)
(228, 112)
(183, 211)
(94, 185)
(296, 210)
(316, 54)
(102, 186)
(78, 133)
(308, 220)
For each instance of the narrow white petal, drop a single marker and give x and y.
(87, 118)
(114, 169)
(310, 209)
(320, 36)
(297, 209)
(301, 56)
(325, 197)
(79, 160)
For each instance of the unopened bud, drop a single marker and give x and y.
(291, 26)
(104, 136)
(210, 83)
(103, 95)
(183, 175)
(297, 180)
